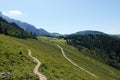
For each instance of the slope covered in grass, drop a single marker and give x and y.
(54, 65)
(14, 59)
(102, 70)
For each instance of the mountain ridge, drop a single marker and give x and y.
(12, 29)
(26, 26)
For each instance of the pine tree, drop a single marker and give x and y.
(0, 28)
(5, 32)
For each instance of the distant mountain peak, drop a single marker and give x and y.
(26, 26)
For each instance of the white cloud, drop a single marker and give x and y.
(12, 13)
(15, 12)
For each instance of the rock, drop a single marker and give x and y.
(1, 73)
(7, 74)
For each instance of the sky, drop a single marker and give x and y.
(66, 16)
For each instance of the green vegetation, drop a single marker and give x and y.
(14, 30)
(15, 64)
(14, 59)
(102, 47)
(54, 65)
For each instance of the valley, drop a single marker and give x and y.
(53, 65)
(59, 40)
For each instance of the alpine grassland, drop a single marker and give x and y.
(15, 60)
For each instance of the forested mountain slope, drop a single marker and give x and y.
(101, 46)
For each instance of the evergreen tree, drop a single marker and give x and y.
(0, 28)
(5, 32)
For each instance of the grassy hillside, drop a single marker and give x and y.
(102, 70)
(14, 60)
(54, 65)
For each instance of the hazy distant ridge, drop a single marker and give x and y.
(26, 26)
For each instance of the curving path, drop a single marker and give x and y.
(36, 69)
(63, 53)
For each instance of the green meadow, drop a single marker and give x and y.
(14, 59)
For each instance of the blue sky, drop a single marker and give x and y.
(66, 16)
